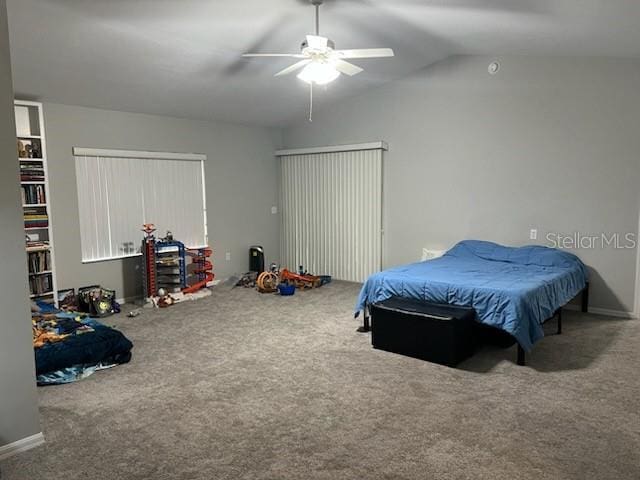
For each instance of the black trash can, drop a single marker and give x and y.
(256, 259)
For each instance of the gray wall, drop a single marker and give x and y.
(241, 180)
(18, 400)
(548, 143)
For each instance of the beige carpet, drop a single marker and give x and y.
(249, 386)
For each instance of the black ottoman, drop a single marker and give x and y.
(437, 333)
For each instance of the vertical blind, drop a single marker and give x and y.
(332, 212)
(120, 191)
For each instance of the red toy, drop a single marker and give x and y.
(203, 267)
(149, 284)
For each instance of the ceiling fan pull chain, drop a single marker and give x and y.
(311, 102)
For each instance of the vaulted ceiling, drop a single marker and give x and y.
(182, 57)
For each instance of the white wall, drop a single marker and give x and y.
(18, 399)
(241, 183)
(548, 143)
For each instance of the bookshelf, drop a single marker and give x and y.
(36, 200)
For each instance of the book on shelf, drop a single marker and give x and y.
(33, 194)
(41, 284)
(33, 245)
(34, 223)
(39, 261)
(31, 171)
(37, 211)
(31, 178)
(30, 162)
(36, 217)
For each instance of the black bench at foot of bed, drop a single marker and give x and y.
(444, 334)
(437, 333)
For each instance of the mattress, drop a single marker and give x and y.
(512, 289)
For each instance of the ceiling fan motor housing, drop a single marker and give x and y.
(330, 44)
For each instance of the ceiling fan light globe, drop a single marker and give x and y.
(319, 73)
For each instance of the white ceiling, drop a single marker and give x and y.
(182, 57)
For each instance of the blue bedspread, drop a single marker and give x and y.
(513, 289)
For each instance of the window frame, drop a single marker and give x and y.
(143, 154)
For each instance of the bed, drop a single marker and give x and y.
(512, 289)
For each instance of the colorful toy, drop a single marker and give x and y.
(267, 282)
(300, 281)
(97, 301)
(149, 279)
(202, 269)
(148, 229)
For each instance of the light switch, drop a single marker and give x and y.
(274, 210)
(227, 256)
(533, 234)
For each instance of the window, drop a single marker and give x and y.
(119, 191)
(331, 200)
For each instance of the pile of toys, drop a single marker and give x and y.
(282, 281)
(94, 300)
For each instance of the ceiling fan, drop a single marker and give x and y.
(320, 62)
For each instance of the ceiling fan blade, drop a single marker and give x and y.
(293, 55)
(316, 42)
(347, 68)
(365, 53)
(293, 68)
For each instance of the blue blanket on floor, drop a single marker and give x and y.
(101, 347)
(513, 289)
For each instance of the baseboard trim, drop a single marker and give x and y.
(20, 446)
(603, 311)
(133, 299)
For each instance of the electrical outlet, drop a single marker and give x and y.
(274, 210)
(227, 256)
(533, 234)
(430, 254)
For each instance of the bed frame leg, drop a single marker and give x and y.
(559, 313)
(365, 322)
(585, 298)
(520, 360)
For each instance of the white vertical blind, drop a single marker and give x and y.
(332, 213)
(116, 195)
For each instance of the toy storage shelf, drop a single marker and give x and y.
(170, 266)
(36, 202)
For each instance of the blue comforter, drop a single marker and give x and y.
(513, 289)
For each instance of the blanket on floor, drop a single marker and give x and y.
(69, 347)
